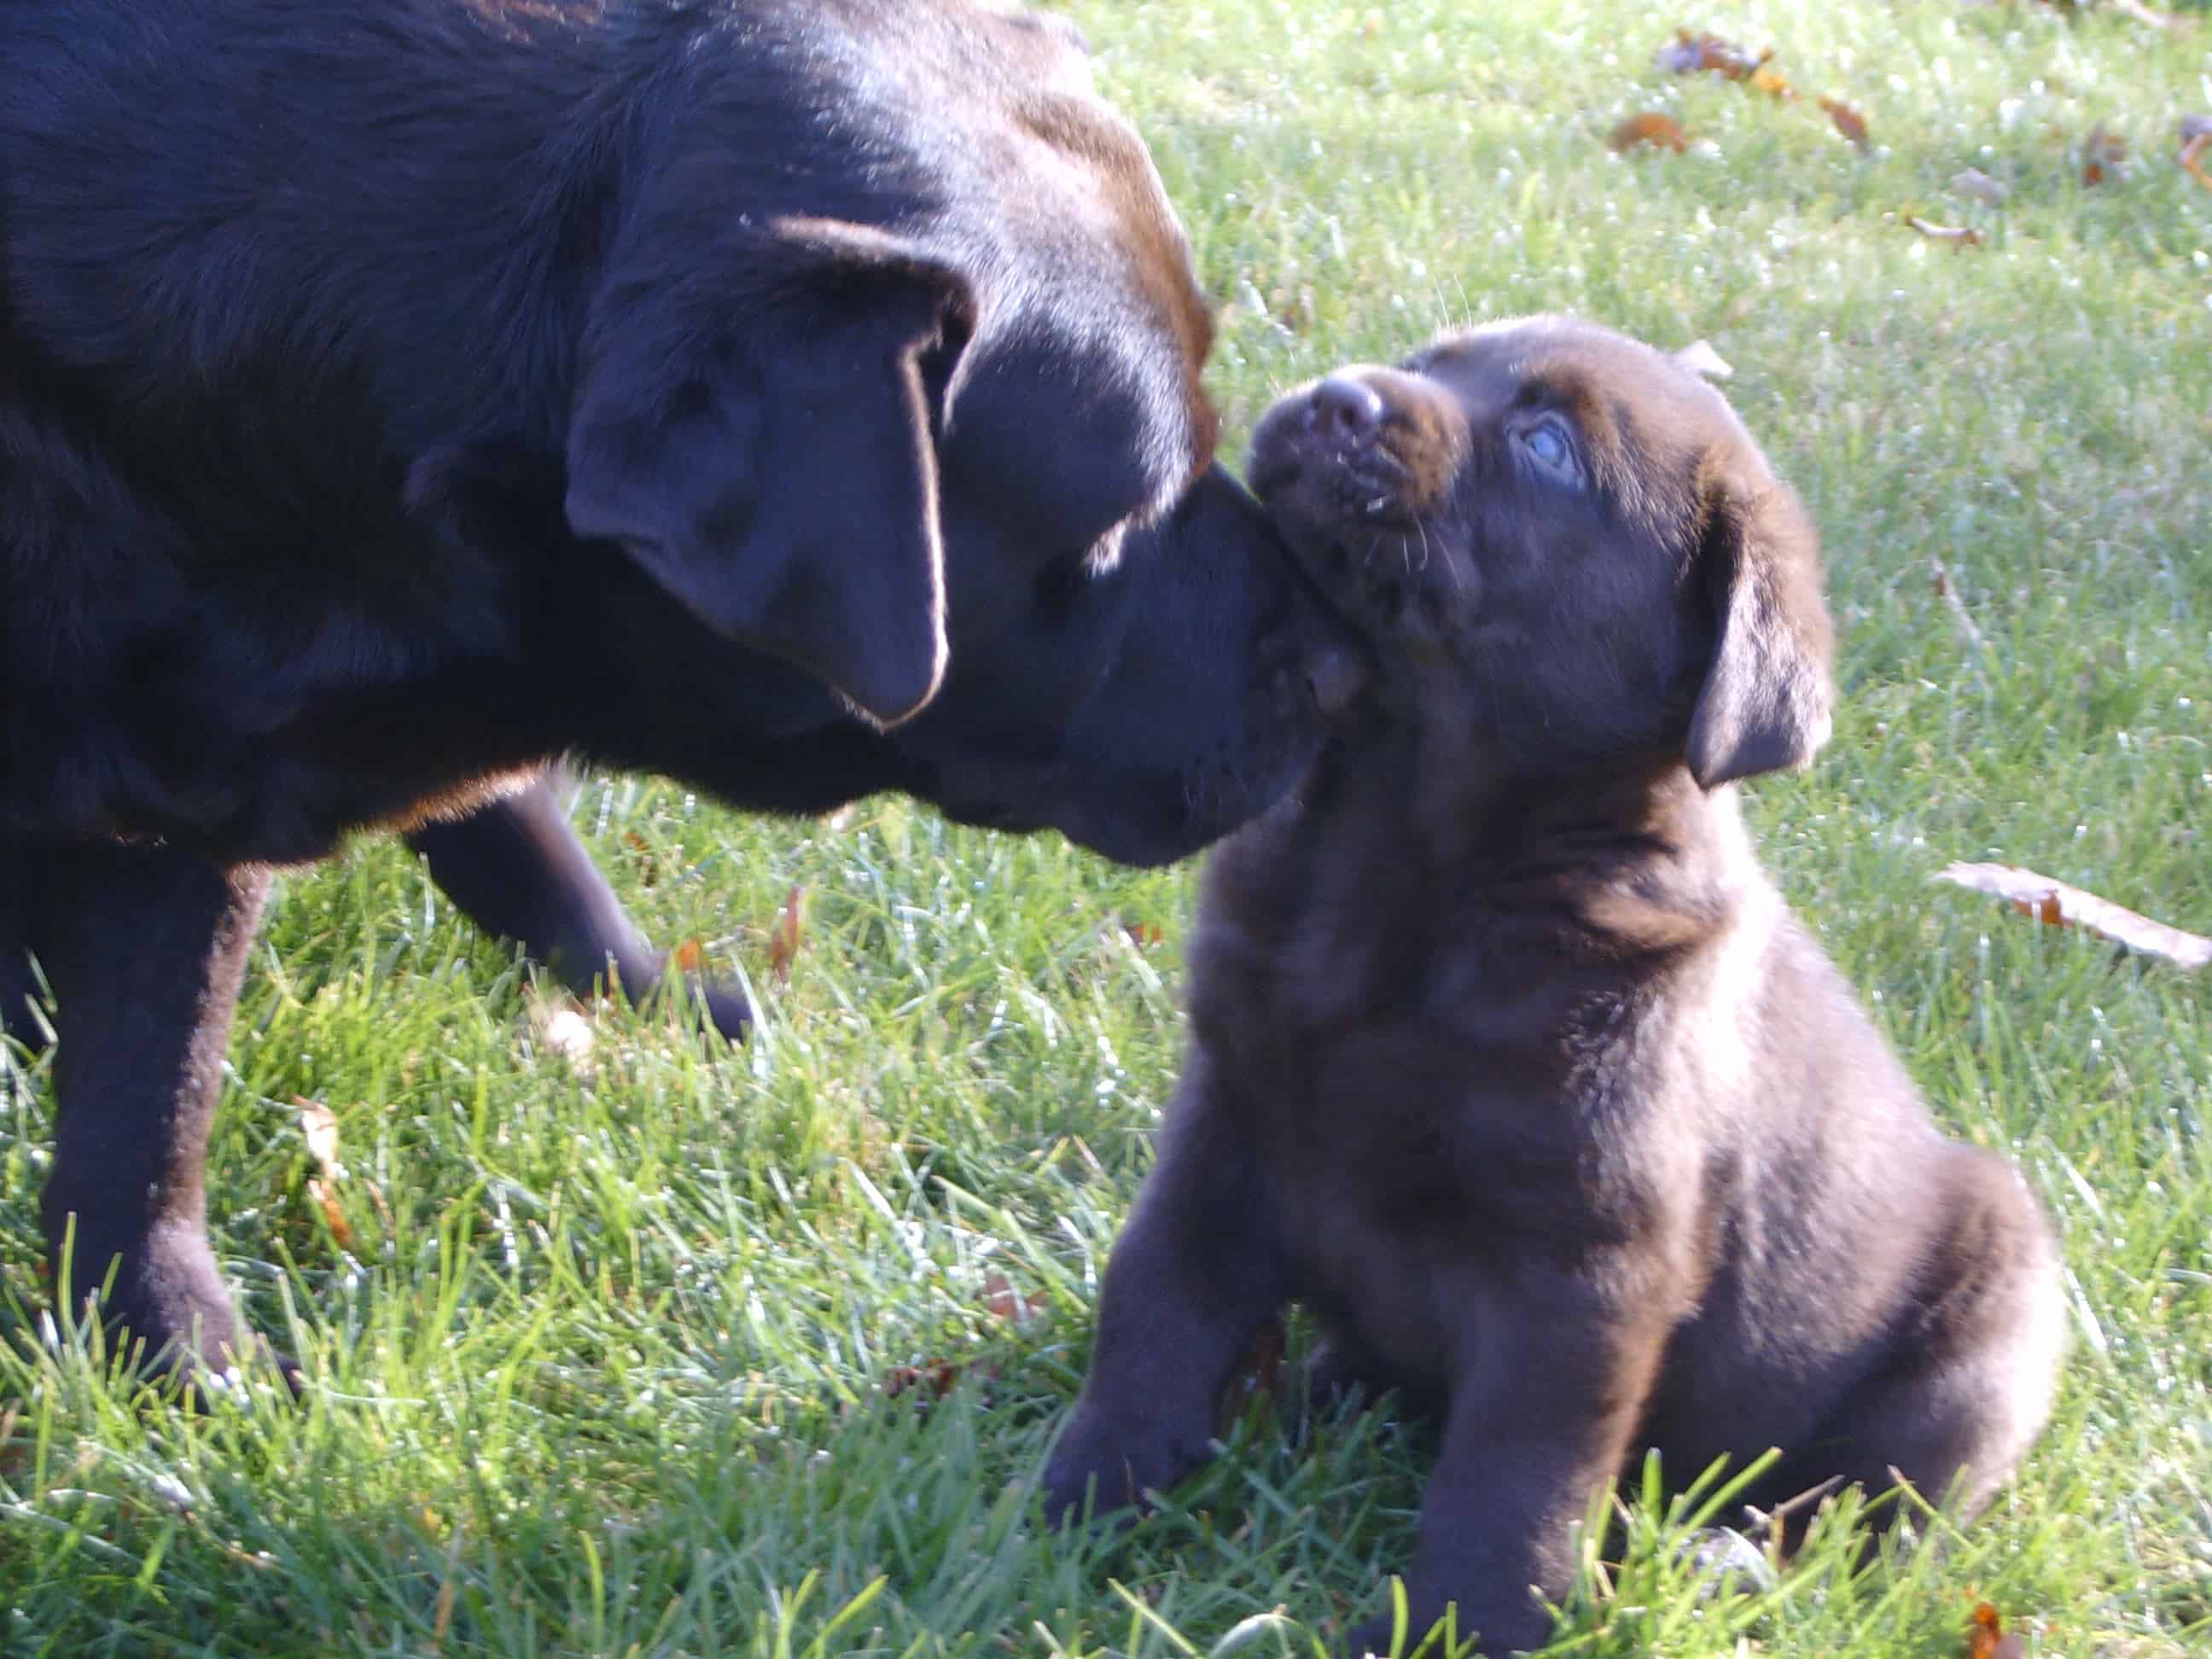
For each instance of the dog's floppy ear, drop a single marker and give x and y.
(1768, 701)
(760, 444)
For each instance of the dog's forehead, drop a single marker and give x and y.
(1580, 367)
(1054, 44)
(1048, 200)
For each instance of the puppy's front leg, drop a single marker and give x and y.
(144, 946)
(1552, 1380)
(1196, 1273)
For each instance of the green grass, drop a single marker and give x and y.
(603, 1368)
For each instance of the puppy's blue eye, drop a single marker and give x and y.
(1547, 446)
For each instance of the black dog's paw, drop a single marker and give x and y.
(724, 1005)
(166, 1318)
(1105, 1467)
(198, 1381)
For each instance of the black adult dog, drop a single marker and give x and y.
(1507, 1058)
(799, 398)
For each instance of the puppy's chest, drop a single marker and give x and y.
(1407, 1079)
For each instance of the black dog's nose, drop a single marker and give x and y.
(1347, 406)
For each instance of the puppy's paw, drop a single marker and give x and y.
(1727, 1563)
(1373, 1640)
(1442, 1631)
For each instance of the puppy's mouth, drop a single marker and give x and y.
(1354, 470)
(1336, 492)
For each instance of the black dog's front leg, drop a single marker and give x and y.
(1194, 1275)
(144, 947)
(516, 869)
(19, 911)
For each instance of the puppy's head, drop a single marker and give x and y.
(1569, 538)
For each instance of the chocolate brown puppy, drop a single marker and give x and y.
(1507, 1059)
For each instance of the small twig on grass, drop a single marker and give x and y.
(2142, 14)
(1948, 590)
(1956, 235)
(1974, 183)
(2055, 904)
(2195, 140)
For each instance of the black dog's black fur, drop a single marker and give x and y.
(1506, 1056)
(801, 399)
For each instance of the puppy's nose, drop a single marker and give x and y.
(1347, 407)
(1335, 675)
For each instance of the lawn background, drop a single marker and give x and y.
(604, 1368)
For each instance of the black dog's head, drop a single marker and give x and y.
(1575, 532)
(893, 373)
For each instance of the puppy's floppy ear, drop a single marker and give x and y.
(760, 444)
(1767, 701)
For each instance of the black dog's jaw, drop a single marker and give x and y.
(1505, 1056)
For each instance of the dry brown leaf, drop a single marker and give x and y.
(319, 1125)
(1004, 1301)
(688, 957)
(383, 1205)
(1694, 54)
(1849, 121)
(1983, 1628)
(1986, 1638)
(333, 1213)
(1978, 185)
(2192, 157)
(2058, 905)
(790, 929)
(1956, 235)
(441, 1620)
(2104, 156)
(932, 1379)
(1691, 54)
(1660, 132)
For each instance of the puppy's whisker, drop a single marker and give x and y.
(1459, 585)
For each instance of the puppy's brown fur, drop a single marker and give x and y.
(1506, 1057)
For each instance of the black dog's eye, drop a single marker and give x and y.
(1547, 443)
